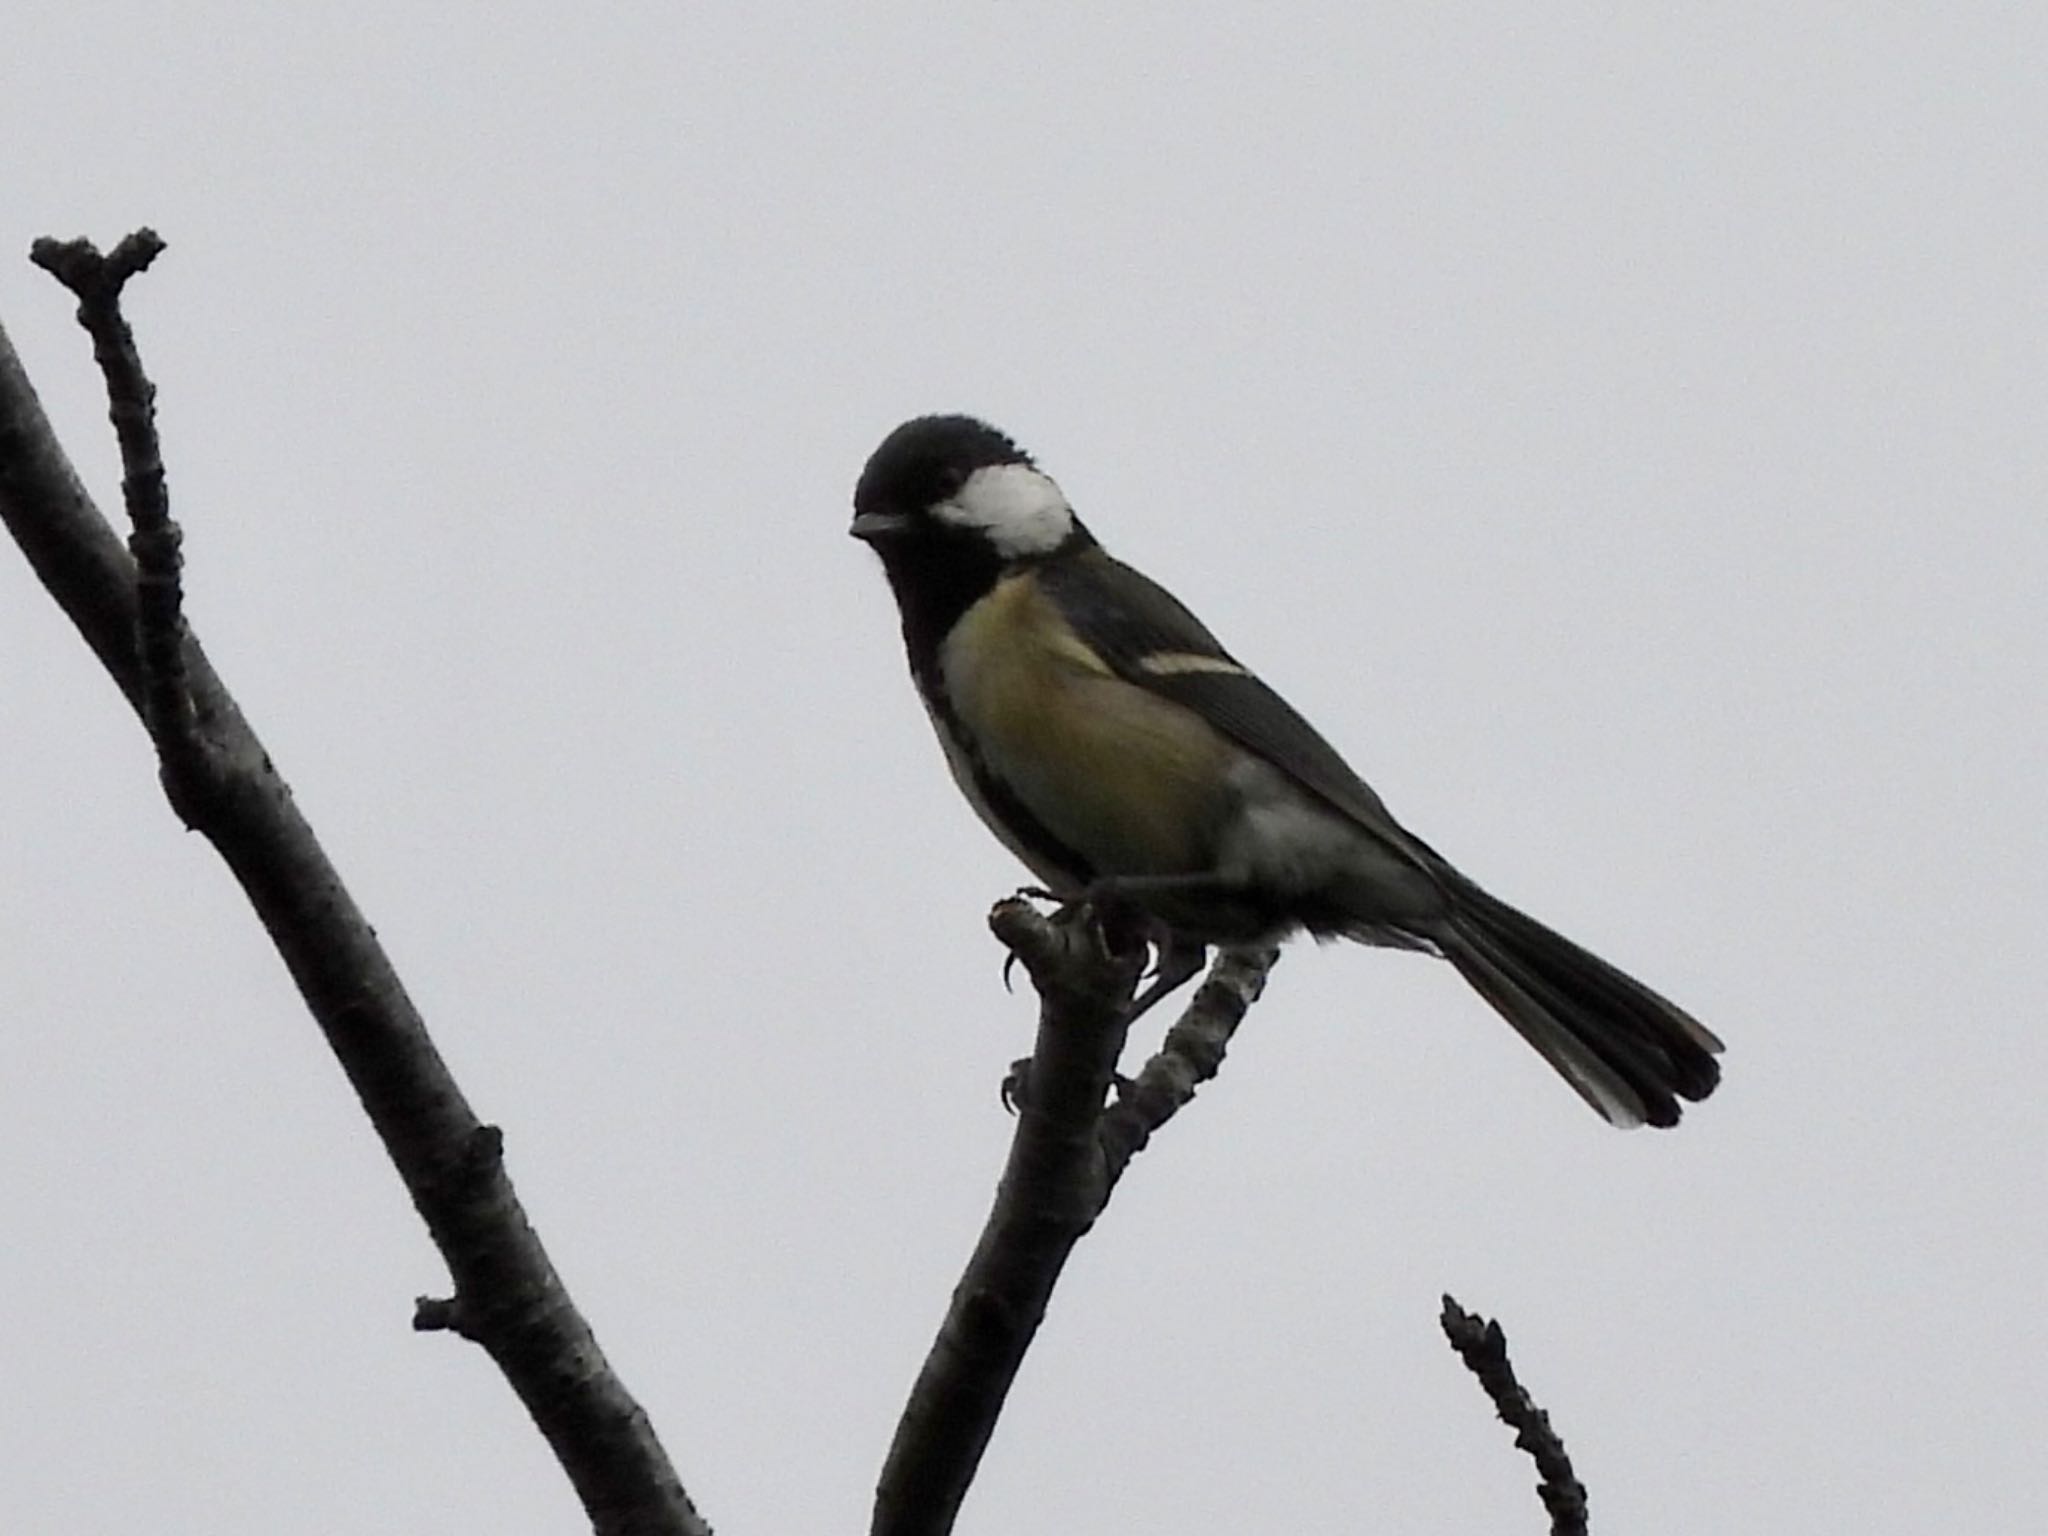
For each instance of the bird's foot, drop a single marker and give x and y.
(1016, 1089)
(1115, 904)
(1178, 962)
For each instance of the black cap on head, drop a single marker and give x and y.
(927, 459)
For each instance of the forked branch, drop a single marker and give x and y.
(1066, 1156)
(129, 609)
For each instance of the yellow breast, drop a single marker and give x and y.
(1129, 780)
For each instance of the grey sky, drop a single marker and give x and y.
(1622, 436)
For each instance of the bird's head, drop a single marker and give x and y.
(944, 489)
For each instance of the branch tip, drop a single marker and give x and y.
(1071, 953)
(1021, 927)
(154, 541)
(95, 279)
(1483, 1347)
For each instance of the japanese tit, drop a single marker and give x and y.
(1116, 748)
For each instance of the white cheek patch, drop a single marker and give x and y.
(1020, 510)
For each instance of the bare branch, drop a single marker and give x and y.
(507, 1294)
(154, 540)
(1484, 1349)
(1191, 1055)
(1065, 1159)
(1052, 1187)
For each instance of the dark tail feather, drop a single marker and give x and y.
(1629, 1053)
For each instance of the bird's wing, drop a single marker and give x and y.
(1150, 639)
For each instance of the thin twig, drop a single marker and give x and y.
(507, 1294)
(1484, 1349)
(154, 541)
(1191, 1054)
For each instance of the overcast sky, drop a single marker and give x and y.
(1623, 437)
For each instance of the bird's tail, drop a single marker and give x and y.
(1630, 1054)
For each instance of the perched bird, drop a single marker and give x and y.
(1113, 745)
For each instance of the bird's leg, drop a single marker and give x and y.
(1128, 890)
(1180, 958)
(1063, 903)
(1118, 903)
(1180, 961)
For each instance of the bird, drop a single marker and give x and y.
(1112, 744)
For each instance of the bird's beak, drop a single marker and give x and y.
(877, 527)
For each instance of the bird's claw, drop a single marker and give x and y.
(1016, 1089)
(1171, 961)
